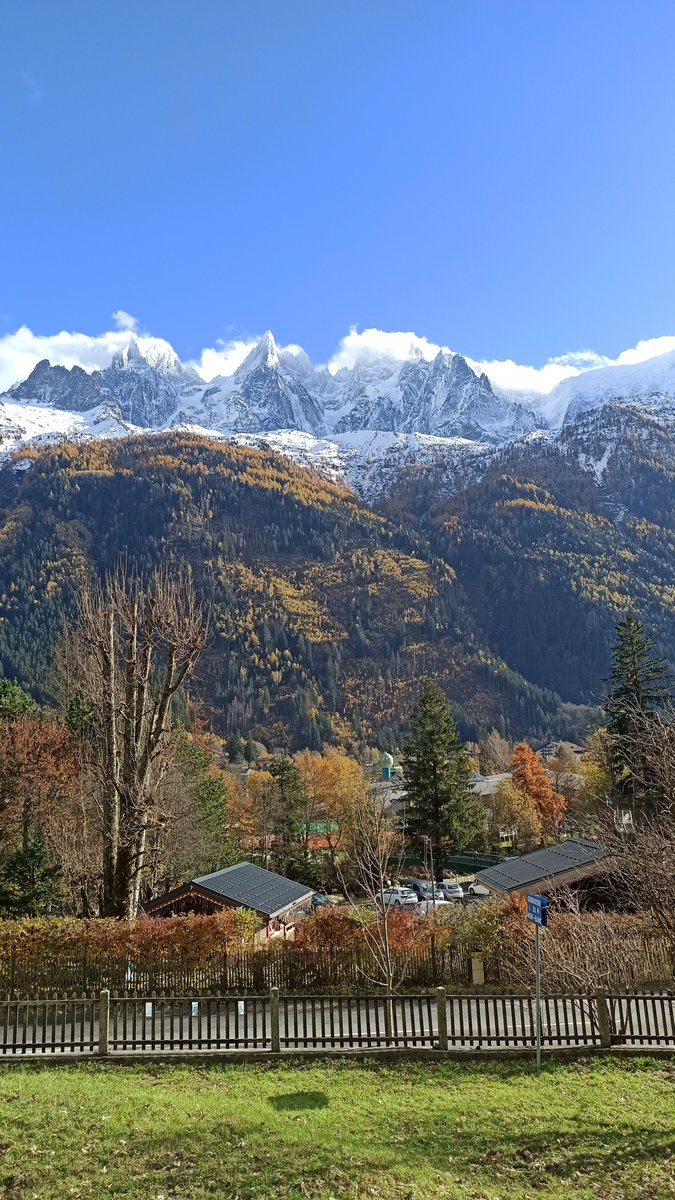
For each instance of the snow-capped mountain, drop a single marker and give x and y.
(443, 397)
(146, 380)
(366, 422)
(277, 389)
(649, 383)
(268, 391)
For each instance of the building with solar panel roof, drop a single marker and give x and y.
(242, 886)
(583, 866)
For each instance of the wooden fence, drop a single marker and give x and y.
(243, 971)
(124, 1025)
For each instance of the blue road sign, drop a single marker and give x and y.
(537, 909)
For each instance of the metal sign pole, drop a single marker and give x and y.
(537, 951)
(537, 912)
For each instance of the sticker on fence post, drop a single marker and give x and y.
(195, 1008)
(148, 1009)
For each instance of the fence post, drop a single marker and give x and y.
(441, 1018)
(103, 1022)
(477, 969)
(604, 1019)
(274, 1020)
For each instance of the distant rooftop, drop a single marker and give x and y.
(487, 785)
(254, 887)
(241, 886)
(543, 869)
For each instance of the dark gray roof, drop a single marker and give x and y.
(253, 887)
(541, 866)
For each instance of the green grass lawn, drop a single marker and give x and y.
(600, 1128)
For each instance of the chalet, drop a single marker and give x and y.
(578, 864)
(269, 895)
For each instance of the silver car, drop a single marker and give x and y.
(452, 890)
(423, 889)
(398, 897)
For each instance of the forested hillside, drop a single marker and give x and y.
(324, 614)
(555, 544)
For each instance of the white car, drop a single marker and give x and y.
(398, 897)
(452, 890)
(477, 889)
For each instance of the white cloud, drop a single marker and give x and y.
(648, 348)
(541, 380)
(20, 351)
(516, 377)
(368, 345)
(124, 320)
(223, 358)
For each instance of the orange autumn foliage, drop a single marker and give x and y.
(188, 939)
(530, 777)
(39, 773)
(328, 928)
(338, 928)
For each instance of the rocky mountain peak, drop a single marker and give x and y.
(264, 355)
(142, 352)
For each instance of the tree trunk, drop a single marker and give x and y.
(111, 800)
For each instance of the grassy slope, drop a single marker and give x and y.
(594, 1129)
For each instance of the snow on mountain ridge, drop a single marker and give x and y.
(140, 352)
(378, 415)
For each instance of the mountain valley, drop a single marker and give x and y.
(490, 539)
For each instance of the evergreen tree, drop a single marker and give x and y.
(206, 792)
(29, 885)
(235, 747)
(639, 680)
(251, 754)
(81, 716)
(287, 832)
(439, 805)
(14, 702)
(639, 688)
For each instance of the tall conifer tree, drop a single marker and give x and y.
(639, 688)
(439, 805)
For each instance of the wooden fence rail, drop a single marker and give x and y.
(239, 971)
(123, 1025)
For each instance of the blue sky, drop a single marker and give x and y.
(497, 175)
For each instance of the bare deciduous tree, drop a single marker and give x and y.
(641, 840)
(134, 646)
(372, 854)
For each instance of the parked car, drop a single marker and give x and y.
(477, 889)
(423, 889)
(398, 897)
(451, 890)
(320, 900)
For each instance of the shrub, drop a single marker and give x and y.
(190, 938)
